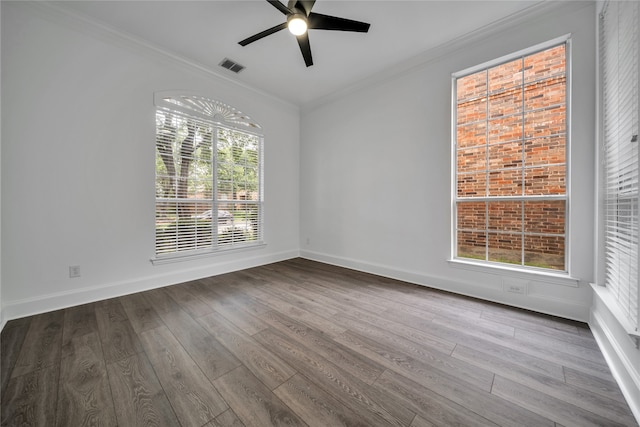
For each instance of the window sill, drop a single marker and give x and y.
(611, 303)
(556, 278)
(173, 258)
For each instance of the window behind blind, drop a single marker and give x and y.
(209, 194)
(619, 153)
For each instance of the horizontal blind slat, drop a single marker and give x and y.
(619, 59)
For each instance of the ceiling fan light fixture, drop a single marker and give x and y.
(297, 24)
(299, 19)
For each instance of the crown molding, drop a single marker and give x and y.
(57, 13)
(475, 37)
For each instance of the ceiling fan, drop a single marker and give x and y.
(300, 18)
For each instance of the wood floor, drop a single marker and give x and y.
(303, 343)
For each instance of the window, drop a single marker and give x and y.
(208, 177)
(619, 157)
(510, 162)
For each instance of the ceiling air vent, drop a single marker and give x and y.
(231, 65)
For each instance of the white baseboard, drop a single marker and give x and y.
(619, 351)
(555, 306)
(55, 301)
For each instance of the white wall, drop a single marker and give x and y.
(78, 163)
(376, 171)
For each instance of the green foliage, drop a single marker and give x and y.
(188, 168)
(185, 159)
(237, 163)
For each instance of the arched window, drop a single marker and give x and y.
(209, 191)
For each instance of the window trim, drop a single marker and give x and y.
(492, 266)
(218, 115)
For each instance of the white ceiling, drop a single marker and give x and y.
(205, 32)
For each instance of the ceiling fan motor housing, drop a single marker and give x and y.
(300, 18)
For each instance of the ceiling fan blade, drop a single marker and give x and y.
(305, 48)
(318, 21)
(262, 34)
(282, 8)
(305, 5)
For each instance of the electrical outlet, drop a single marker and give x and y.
(74, 271)
(514, 286)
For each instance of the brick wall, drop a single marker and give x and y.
(511, 141)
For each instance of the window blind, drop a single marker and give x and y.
(209, 163)
(619, 69)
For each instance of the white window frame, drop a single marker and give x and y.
(219, 116)
(550, 275)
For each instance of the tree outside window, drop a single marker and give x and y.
(208, 179)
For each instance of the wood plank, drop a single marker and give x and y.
(337, 382)
(117, 336)
(479, 328)
(537, 318)
(84, 395)
(233, 312)
(432, 406)
(227, 289)
(137, 394)
(503, 354)
(42, 344)
(227, 419)
(187, 301)
(11, 339)
(211, 356)
(420, 302)
(489, 339)
(574, 336)
(446, 385)
(79, 321)
(265, 365)
(30, 399)
(608, 388)
(111, 310)
(361, 321)
(588, 351)
(249, 304)
(418, 421)
(254, 403)
(311, 319)
(552, 387)
(550, 407)
(317, 407)
(140, 313)
(300, 297)
(330, 350)
(342, 297)
(160, 300)
(192, 396)
(380, 288)
(409, 358)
